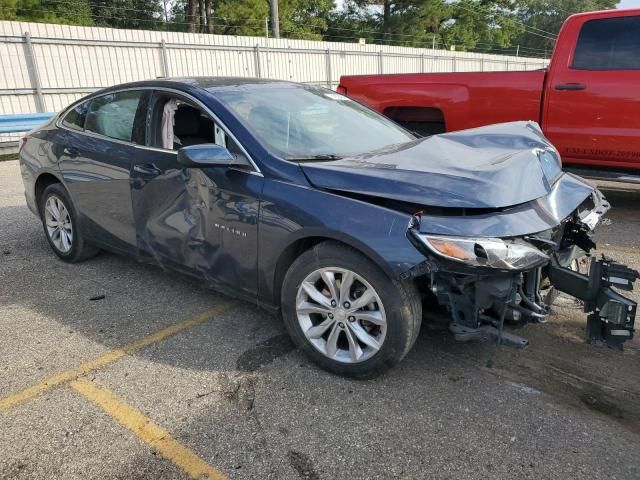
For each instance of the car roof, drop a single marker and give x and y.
(190, 85)
(213, 82)
(210, 84)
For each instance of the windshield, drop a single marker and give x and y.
(310, 123)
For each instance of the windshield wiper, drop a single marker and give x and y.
(316, 158)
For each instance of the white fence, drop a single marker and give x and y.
(45, 67)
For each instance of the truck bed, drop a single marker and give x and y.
(468, 99)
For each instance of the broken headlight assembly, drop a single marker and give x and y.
(486, 252)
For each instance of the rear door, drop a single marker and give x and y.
(95, 159)
(593, 97)
(200, 221)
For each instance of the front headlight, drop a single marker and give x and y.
(486, 252)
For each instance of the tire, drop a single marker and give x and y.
(306, 315)
(67, 240)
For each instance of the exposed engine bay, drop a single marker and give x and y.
(502, 228)
(483, 283)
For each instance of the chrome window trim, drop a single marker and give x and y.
(256, 170)
(64, 113)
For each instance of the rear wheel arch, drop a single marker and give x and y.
(64, 217)
(421, 119)
(42, 182)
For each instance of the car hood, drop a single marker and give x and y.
(489, 167)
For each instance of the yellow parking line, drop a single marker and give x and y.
(110, 357)
(148, 431)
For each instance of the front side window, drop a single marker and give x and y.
(177, 123)
(298, 123)
(75, 118)
(113, 115)
(608, 44)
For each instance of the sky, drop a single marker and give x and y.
(629, 4)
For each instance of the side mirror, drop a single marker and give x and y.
(206, 155)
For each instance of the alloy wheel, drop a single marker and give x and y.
(341, 314)
(58, 222)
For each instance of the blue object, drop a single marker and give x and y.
(23, 122)
(272, 191)
(254, 174)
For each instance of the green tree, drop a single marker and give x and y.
(351, 23)
(305, 19)
(481, 25)
(544, 18)
(464, 24)
(414, 23)
(135, 14)
(240, 17)
(74, 12)
(402, 22)
(8, 9)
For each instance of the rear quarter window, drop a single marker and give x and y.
(75, 118)
(113, 115)
(608, 44)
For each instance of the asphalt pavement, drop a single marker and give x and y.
(115, 369)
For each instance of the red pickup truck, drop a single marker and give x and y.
(587, 101)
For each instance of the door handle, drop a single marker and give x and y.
(72, 152)
(147, 169)
(571, 86)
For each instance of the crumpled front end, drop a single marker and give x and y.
(486, 269)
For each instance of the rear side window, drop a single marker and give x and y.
(113, 115)
(609, 44)
(76, 117)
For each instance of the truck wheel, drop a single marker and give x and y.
(346, 314)
(60, 223)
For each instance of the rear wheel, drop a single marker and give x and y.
(60, 224)
(346, 314)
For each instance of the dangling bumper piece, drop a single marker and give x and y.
(611, 316)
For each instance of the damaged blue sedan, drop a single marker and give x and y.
(313, 205)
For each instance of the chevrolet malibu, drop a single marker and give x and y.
(312, 205)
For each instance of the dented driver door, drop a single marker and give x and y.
(203, 222)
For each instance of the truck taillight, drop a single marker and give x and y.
(342, 90)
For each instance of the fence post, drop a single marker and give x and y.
(32, 68)
(482, 64)
(422, 62)
(380, 67)
(256, 54)
(454, 64)
(328, 67)
(507, 64)
(163, 56)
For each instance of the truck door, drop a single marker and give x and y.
(592, 100)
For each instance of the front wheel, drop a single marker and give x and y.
(346, 314)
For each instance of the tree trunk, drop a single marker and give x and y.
(165, 10)
(386, 16)
(275, 18)
(203, 16)
(190, 15)
(209, 10)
